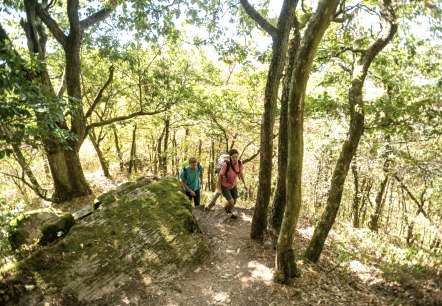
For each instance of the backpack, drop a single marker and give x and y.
(225, 158)
(198, 166)
(221, 159)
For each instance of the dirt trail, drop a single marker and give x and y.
(236, 273)
(239, 272)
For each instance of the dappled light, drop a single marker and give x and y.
(246, 218)
(258, 271)
(306, 232)
(244, 152)
(367, 274)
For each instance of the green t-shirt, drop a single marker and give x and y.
(192, 178)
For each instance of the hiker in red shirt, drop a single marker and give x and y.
(227, 182)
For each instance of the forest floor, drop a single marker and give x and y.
(239, 271)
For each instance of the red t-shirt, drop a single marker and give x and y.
(229, 179)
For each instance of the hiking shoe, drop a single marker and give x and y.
(233, 216)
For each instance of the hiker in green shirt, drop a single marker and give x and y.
(191, 177)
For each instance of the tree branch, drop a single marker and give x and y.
(42, 193)
(244, 161)
(346, 69)
(245, 147)
(388, 14)
(122, 118)
(50, 23)
(261, 21)
(343, 50)
(100, 93)
(95, 18)
(419, 205)
(343, 10)
(226, 138)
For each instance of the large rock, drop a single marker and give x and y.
(26, 228)
(142, 232)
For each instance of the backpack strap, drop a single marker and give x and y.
(227, 167)
(185, 173)
(199, 167)
(233, 168)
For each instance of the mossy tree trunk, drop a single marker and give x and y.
(159, 153)
(350, 145)
(133, 151)
(285, 260)
(65, 166)
(280, 36)
(163, 155)
(279, 199)
(358, 196)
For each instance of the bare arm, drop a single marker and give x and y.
(218, 183)
(185, 186)
(241, 176)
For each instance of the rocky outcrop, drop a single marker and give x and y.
(141, 232)
(25, 230)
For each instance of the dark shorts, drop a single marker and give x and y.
(196, 198)
(230, 193)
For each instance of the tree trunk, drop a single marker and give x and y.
(211, 173)
(186, 144)
(279, 199)
(390, 209)
(67, 174)
(163, 156)
(350, 145)
(357, 199)
(118, 149)
(66, 170)
(365, 199)
(374, 219)
(285, 260)
(175, 160)
(159, 150)
(65, 167)
(133, 151)
(410, 235)
(279, 48)
(103, 162)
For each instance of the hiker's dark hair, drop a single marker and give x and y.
(233, 151)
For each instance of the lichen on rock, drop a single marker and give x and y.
(144, 233)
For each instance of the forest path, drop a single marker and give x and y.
(239, 272)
